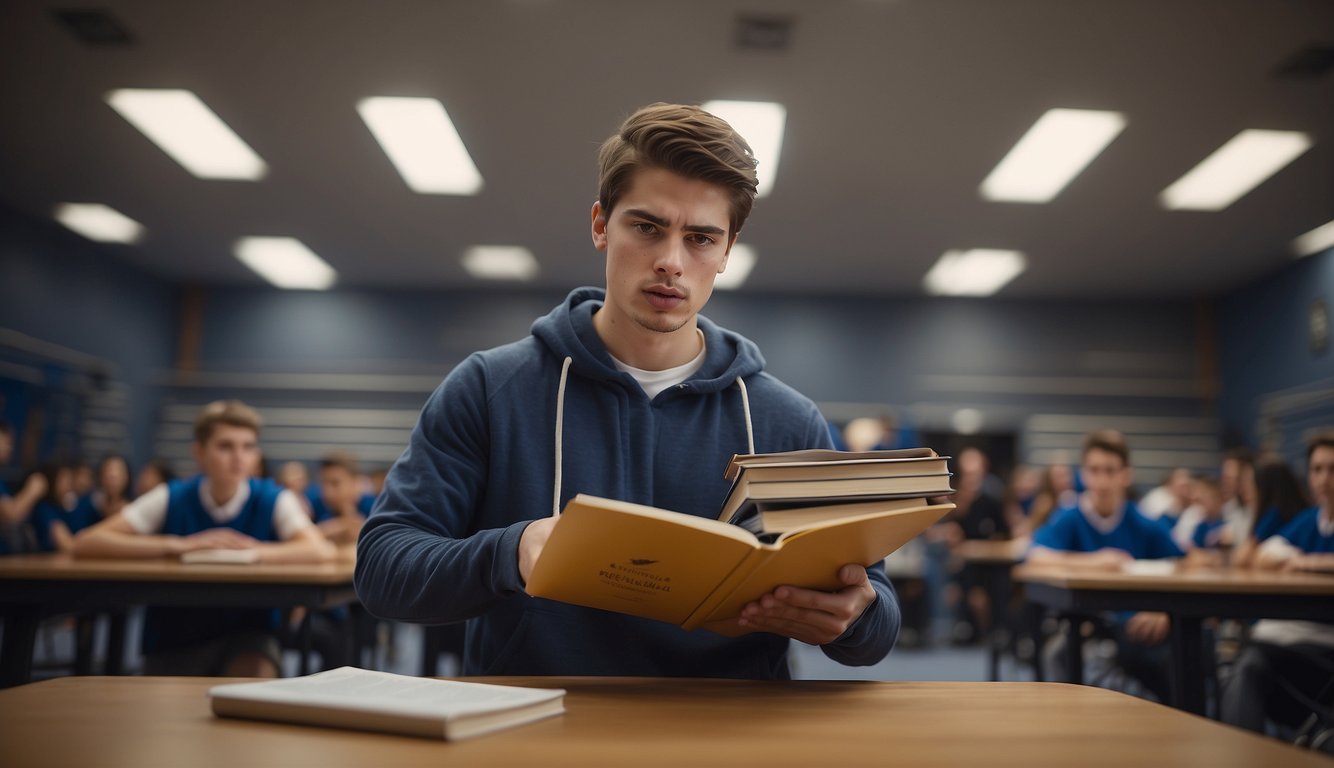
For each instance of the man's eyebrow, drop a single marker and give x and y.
(703, 229)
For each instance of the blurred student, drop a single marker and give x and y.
(1169, 501)
(156, 472)
(1104, 530)
(61, 513)
(1279, 498)
(1057, 492)
(1212, 531)
(1020, 495)
(83, 480)
(1287, 661)
(112, 491)
(221, 508)
(336, 499)
(1236, 478)
(16, 508)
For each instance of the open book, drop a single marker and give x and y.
(360, 699)
(222, 556)
(690, 570)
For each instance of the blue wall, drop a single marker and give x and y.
(61, 289)
(1265, 349)
(835, 350)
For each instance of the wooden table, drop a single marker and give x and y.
(1189, 596)
(140, 722)
(35, 585)
(993, 561)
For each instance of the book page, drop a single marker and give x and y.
(635, 559)
(811, 557)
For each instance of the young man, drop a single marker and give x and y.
(628, 394)
(222, 508)
(1287, 655)
(1105, 530)
(335, 500)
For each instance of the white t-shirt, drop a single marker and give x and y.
(148, 513)
(654, 382)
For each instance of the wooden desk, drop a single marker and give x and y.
(993, 561)
(34, 585)
(1190, 596)
(139, 722)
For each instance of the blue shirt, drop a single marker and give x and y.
(48, 513)
(1207, 533)
(1303, 532)
(1144, 539)
(1268, 525)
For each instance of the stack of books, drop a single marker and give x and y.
(774, 493)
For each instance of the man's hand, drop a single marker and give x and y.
(532, 541)
(1109, 558)
(1147, 627)
(809, 615)
(213, 538)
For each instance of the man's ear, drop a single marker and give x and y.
(599, 227)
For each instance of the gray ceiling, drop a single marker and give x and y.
(897, 109)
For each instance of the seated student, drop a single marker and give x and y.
(336, 499)
(1169, 501)
(155, 473)
(1212, 531)
(61, 513)
(1280, 497)
(112, 491)
(1284, 656)
(223, 508)
(16, 508)
(1104, 530)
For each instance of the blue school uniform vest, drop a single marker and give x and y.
(1303, 532)
(47, 513)
(1207, 533)
(1069, 531)
(173, 627)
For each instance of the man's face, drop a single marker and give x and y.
(666, 241)
(229, 454)
(1181, 486)
(1106, 477)
(1228, 476)
(1320, 474)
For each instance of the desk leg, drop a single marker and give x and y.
(1036, 616)
(1074, 650)
(1187, 640)
(116, 643)
(998, 583)
(20, 637)
(303, 638)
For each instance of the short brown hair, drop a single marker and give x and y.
(341, 460)
(1321, 439)
(685, 140)
(230, 412)
(1108, 440)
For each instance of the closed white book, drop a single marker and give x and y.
(224, 556)
(362, 699)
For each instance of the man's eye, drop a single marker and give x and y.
(644, 228)
(701, 240)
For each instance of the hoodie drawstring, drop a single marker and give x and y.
(560, 426)
(560, 430)
(745, 406)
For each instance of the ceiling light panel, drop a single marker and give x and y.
(285, 262)
(740, 263)
(422, 143)
(500, 262)
(976, 272)
(1058, 147)
(761, 124)
(1234, 169)
(189, 132)
(99, 222)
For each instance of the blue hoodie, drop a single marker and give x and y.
(510, 436)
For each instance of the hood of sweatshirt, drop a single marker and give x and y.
(569, 333)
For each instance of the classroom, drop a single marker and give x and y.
(430, 338)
